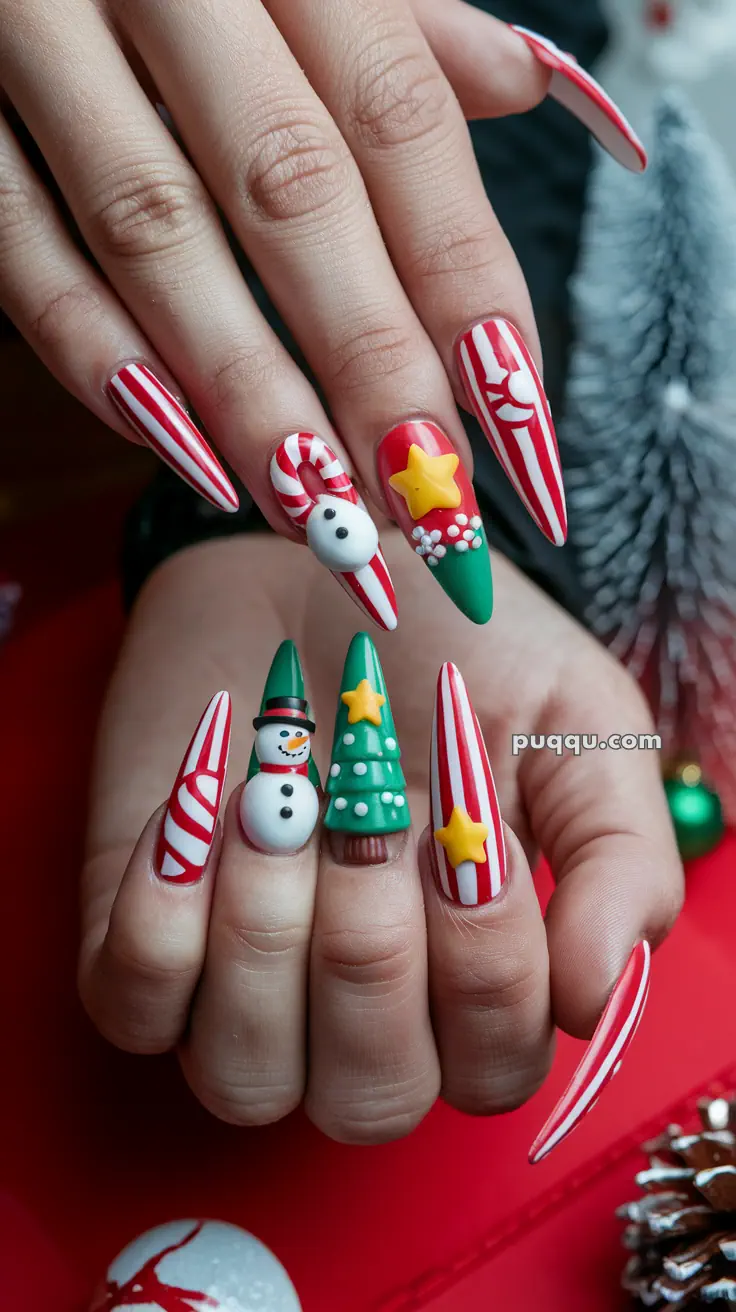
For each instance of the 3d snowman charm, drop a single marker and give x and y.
(279, 806)
(190, 1266)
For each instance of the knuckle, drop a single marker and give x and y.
(156, 965)
(20, 203)
(370, 356)
(461, 251)
(151, 212)
(297, 168)
(76, 308)
(401, 96)
(501, 984)
(379, 1119)
(374, 961)
(245, 943)
(240, 374)
(493, 1094)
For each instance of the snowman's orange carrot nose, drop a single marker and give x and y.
(294, 743)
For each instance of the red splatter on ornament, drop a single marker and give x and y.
(145, 1287)
(659, 14)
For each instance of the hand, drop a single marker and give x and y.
(365, 993)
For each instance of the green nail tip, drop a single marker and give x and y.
(366, 767)
(285, 679)
(466, 578)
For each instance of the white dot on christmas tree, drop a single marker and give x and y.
(340, 803)
(398, 800)
(390, 743)
(348, 739)
(360, 808)
(436, 534)
(334, 771)
(360, 767)
(418, 532)
(461, 519)
(432, 562)
(477, 542)
(426, 540)
(440, 552)
(461, 546)
(420, 550)
(476, 521)
(387, 798)
(468, 535)
(453, 531)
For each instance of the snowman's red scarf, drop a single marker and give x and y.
(266, 768)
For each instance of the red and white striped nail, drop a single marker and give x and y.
(468, 850)
(318, 496)
(188, 829)
(572, 87)
(162, 422)
(603, 1056)
(511, 406)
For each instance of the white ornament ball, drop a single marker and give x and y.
(342, 535)
(197, 1264)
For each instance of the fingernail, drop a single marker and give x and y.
(510, 404)
(188, 829)
(368, 812)
(468, 845)
(433, 502)
(279, 805)
(577, 91)
(318, 496)
(162, 422)
(604, 1054)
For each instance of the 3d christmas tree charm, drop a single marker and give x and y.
(366, 785)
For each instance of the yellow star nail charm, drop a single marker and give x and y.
(427, 483)
(364, 703)
(463, 839)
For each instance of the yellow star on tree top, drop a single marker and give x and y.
(463, 839)
(364, 703)
(427, 483)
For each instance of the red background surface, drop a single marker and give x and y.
(97, 1145)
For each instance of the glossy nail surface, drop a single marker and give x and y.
(279, 804)
(188, 829)
(161, 421)
(572, 87)
(336, 524)
(510, 404)
(434, 504)
(365, 785)
(467, 833)
(604, 1054)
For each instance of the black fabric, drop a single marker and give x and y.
(535, 168)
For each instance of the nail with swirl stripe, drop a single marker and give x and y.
(603, 1056)
(467, 850)
(318, 495)
(188, 829)
(509, 402)
(164, 425)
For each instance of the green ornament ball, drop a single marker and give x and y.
(696, 812)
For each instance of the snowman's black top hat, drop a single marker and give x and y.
(286, 710)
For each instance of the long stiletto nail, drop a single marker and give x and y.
(161, 421)
(434, 504)
(469, 856)
(366, 786)
(337, 525)
(572, 87)
(188, 829)
(279, 805)
(604, 1054)
(510, 404)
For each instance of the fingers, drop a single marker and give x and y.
(141, 960)
(489, 970)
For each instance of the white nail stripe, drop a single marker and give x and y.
(194, 809)
(457, 787)
(477, 765)
(285, 483)
(170, 868)
(194, 850)
(151, 428)
(333, 470)
(541, 413)
(374, 590)
(467, 883)
(488, 358)
(158, 394)
(437, 809)
(592, 1090)
(195, 751)
(216, 748)
(208, 787)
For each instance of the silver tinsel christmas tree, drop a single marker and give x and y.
(649, 437)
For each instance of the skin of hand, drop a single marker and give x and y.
(365, 994)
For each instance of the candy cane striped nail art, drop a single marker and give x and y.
(189, 824)
(469, 856)
(572, 87)
(604, 1054)
(509, 402)
(337, 525)
(159, 419)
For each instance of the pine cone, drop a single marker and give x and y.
(683, 1230)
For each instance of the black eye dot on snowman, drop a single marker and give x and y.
(284, 733)
(330, 514)
(341, 532)
(287, 789)
(286, 813)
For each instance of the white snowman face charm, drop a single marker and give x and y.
(280, 744)
(342, 535)
(196, 1266)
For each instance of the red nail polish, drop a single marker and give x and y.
(159, 419)
(469, 852)
(510, 404)
(603, 1056)
(188, 829)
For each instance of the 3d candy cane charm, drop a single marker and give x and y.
(337, 526)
